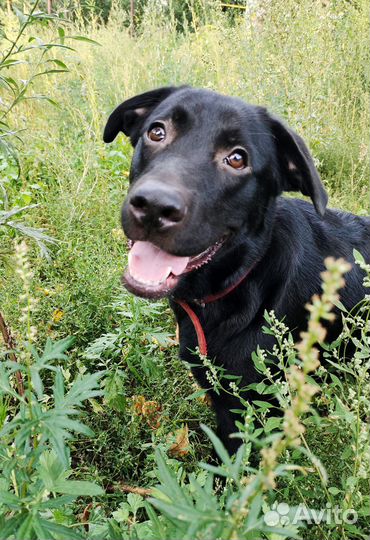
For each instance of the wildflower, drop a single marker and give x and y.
(27, 301)
(211, 373)
(268, 464)
(57, 316)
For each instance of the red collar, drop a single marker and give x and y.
(202, 342)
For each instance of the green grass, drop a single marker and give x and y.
(305, 61)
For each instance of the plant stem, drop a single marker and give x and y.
(21, 30)
(11, 346)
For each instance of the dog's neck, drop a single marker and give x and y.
(240, 256)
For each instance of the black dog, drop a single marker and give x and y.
(210, 230)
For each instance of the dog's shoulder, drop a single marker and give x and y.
(336, 227)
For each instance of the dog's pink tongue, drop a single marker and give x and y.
(148, 263)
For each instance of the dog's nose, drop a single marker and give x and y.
(157, 206)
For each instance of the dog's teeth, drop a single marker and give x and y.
(147, 281)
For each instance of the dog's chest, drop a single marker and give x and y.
(227, 342)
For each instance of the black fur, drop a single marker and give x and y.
(285, 239)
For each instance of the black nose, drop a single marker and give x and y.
(157, 206)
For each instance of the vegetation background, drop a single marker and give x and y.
(61, 188)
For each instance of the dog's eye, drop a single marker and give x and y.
(156, 133)
(237, 159)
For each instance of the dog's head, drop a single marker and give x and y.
(205, 167)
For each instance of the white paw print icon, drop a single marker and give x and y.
(278, 515)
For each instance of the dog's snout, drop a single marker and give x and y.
(156, 206)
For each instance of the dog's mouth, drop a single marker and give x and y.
(154, 273)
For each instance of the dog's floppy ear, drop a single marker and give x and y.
(297, 169)
(130, 115)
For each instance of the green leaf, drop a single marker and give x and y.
(55, 350)
(263, 405)
(11, 62)
(272, 423)
(58, 389)
(341, 367)
(60, 531)
(7, 527)
(36, 234)
(84, 387)
(365, 509)
(26, 527)
(159, 531)
(5, 216)
(10, 84)
(342, 411)
(340, 306)
(218, 446)
(5, 387)
(255, 512)
(260, 387)
(48, 72)
(51, 469)
(334, 490)
(182, 512)
(195, 395)
(114, 531)
(85, 39)
(114, 393)
(336, 381)
(58, 63)
(122, 514)
(46, 98)
(10, 500)
(36, 381)
(61, 34)
(41, 531)
(358, 256)
(74, 425)
(78, 488)
(237, 466)
(218, 471)
(135, 501)
(169, 485)
(204, 499)
(279, 533)
(57, 502)
(22, 17)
